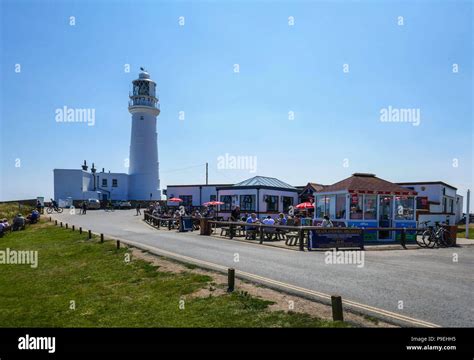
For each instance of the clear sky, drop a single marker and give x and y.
(336, 130)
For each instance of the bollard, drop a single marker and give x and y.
(73, 228)
(261, 235)
(50, 218)
(118, 244)
(101, 238)
(301, 240)
(336, 302)
(66, 225)
(80, 230)
(55, 222)
(403, 238)
(61, 223)
(230, 280)
(90, 234)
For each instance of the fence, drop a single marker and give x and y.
(298, 233)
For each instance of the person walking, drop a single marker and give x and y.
(84, 207)
(138, 209)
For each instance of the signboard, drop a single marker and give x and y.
(410, 235)
(335, 238)
(369, 235)
(186, 223)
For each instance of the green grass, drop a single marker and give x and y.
(10, 209)
(462, 231)
(109, 292)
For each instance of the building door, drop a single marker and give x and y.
(385, 216)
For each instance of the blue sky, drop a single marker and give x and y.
(282, 68)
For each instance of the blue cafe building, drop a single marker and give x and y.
(366, 201)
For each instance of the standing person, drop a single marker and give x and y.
(234, 216)
(138, 209)
(84, 207)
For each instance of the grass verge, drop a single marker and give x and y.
(109, 291)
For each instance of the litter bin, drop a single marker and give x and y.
(205, 226)
(452, 234)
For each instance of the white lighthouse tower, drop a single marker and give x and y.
(144, 182)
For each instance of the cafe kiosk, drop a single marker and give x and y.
(366, 201)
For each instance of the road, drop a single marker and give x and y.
(401, 285)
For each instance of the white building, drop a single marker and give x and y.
(193, 195)
(142, 182)
(261, 195)
(436, 201)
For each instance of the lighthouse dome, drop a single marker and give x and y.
(144, 75)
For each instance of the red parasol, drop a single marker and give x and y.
(305, 205)
(209, 203)
(175, 200)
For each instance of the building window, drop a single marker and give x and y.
(227, 200)
(356, 207)
(445, 205)
(404, 208)
(451, 205)
(187, 200)
(272, 202)
(370, 207)
(320, 205)
(114, 183)
(247, 202)
(287, 202)
(104, 182)
(340, 206)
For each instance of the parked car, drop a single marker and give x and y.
(93, 204)
(123, 205)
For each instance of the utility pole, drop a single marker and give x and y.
(207, 173)
(467, 213)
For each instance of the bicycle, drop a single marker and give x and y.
(435, 236)
(51, 208)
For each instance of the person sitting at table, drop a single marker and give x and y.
(281, 219)
(252, 219)
(18, 223)
(326, 222)
(297, 220)
(269, 221)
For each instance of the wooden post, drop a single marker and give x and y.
(67, 226)
(73, 228)
(50, 218)
(118, 244)
(101, 238)
(80, 230)
(61, 224)
(56, 222)
(301, 234)
(90, 234)
(261, 235)
(230, 280)
(337, 314)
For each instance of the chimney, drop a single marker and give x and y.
(84, 167)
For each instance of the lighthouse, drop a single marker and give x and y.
(144, 182)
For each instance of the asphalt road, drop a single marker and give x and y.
(426, 283)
